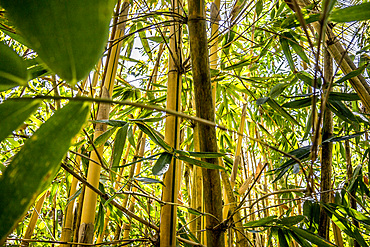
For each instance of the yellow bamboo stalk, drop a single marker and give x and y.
(67, 229)
(172, 133)
(127, 227)
(90, 198)
(33, 220)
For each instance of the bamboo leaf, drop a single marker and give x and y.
(149, 180)
(163, 164)
(13, 69)
(54, 30)
(282, 240)
(200, 163)
(313, 238)
(343, 138)
(277, 90)
(32, 169)
(119, 144)
(343, 96)
(360, 12)
(282, 112)
(262, 222)
(102, 139)
(292, 220)
(153, 136)
(300, 103)
(285, 46)
(306, 78)
(13, 113)
(200, 154)
(114, 123)
(352, 74)
(144, 40)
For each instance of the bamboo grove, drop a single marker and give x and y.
(184, 123)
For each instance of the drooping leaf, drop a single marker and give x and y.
(343, 138)
(153, 136)
(300, 103)
(13, 69)
(277, 90)
(343, 96)
(313, 238)
(53, 28)
(149, 180)
(144, 40)
(292, 220)
(114, 123)
(200, 154)
(282, 239)
(352, 74)
(33, 168)
(13, 113)
(119, 144)
(288, 55)
(262, 222)
(162, 165)
(102, 139)
(360, 12)
(306, 78)
(282, 111)
(200, 163)
(262, 101)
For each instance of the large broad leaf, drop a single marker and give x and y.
(285, 46)
(299, 103)
(36, 164)
(69, 36)
(359, 12)
(118, 146)
(14, 113)
(13, 69)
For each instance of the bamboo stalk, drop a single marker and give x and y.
(204, 109)
(88, 214)
(127, 227)
(33, 220)
(172, 133)
(326, 151)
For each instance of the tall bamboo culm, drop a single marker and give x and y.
(172, 132)
(86, 231)
(204, 109)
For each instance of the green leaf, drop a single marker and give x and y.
(313, 238)
(282, 240)
(33, 168)
(69, 36)
(102, 139)
(259, 7)
(359, 12)
(13, 113)
(352, 74)
(342, 111)
(281, 111)
(343, 96)
(114, 123)
(261, 222)
(277, 90)
(300, 103)
(148, 180)
(306, 78)
(13, 69)
(291, 21)
(262, 101)
(119, 144)
(163, 164)
(297, 48)
(292, 220)
(200, 154)
(343, 138)
(200, 163)
(144, 40)
(285, 46)
(153, 136)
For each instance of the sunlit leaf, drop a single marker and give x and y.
(360, 12)
(32, 169)
(69, 36)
